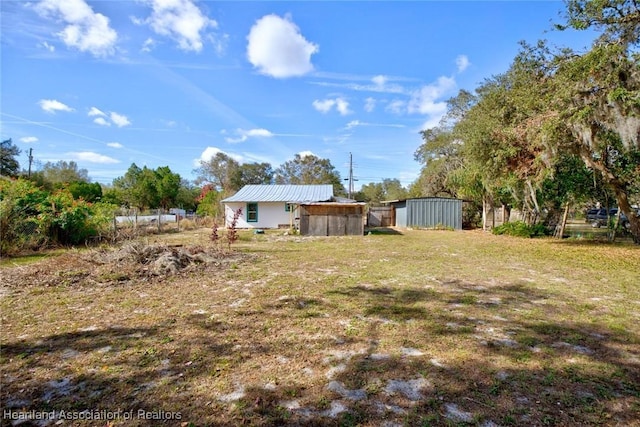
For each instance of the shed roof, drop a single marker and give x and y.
(283, 193)
(391, 202)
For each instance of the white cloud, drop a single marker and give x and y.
(180, 20)
(324, 106)
(219, 42)
(306, 153)
(353, 123)
(462, 62)
(357, 123)
(260, 133)
(148, 45)
(119, 119)
(91, 157)
(369, 104)
(424, 100)
(431, 122)
(210, 153)
(47, 46)
(277, 48)
(104, 119)
(243, 135)
(101, 121)
(86, 30)
(379, 83)
(379, 80)
(95, 112)
(114, 145)
(51, 106)
(396, 107)
(342, 106)
(28, 139)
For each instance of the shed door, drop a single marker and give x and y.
(401, 215)
(318, 225)
(337, 225)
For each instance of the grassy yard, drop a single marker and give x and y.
(412, 328)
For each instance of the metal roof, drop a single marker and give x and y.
(283, 193)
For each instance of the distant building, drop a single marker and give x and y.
(310, 208)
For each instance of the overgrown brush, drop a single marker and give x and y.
(520, 229)
(33, 218)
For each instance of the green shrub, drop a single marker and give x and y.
(520, 229)
(20, 203)
(32, 218)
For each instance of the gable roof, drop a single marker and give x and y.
(283, 193)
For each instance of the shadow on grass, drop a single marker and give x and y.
(143, 370)
(543, 372)
(547, 373)
(597, 241)
(87, 340)
(377, 231)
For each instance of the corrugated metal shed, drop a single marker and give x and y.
(283, 193)
(429, 212)
(401, 213)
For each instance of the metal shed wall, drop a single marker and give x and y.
(401, 213)
(432, 212)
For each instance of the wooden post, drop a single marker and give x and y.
(484, 213)
(493, 216)
(564, 221)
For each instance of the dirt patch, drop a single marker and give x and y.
(131, 262)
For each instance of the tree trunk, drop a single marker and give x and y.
(563, 223)
(620, 190)
(534, 199)
(616, 224)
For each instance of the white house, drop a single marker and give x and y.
(273, 206)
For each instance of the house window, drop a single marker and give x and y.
(288, 207)
(252, 212)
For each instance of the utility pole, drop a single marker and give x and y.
(350, 179)
(350, 174)
(30, 161)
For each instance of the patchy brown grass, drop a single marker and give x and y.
(419, 328)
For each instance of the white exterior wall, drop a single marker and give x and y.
(270, 215)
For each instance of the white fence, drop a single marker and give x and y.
(145, 219)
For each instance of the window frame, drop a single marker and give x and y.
(250, 211)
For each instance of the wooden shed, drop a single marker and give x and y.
(332, 219)
(381, 216)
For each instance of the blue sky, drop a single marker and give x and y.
(171, 82)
